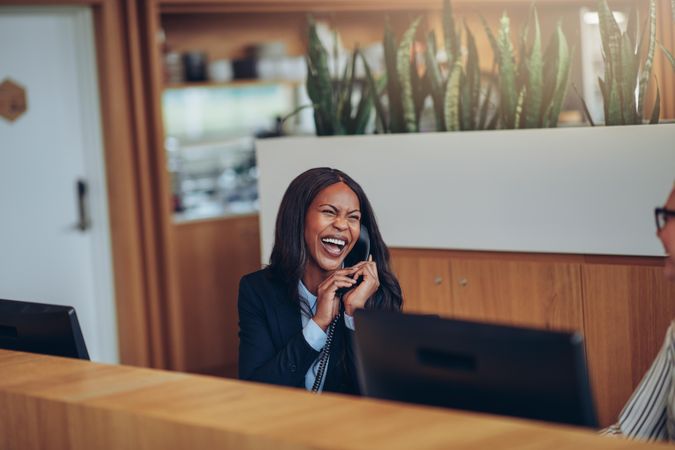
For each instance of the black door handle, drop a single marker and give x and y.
(83, 220)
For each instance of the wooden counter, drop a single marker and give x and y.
(57, 403)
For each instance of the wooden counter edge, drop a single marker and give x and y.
(49, 402)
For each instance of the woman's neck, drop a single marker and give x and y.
(312, 278)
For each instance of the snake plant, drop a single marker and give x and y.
(627, 71)
(532, 89)
(457, 96)
(334, 113)
(405, 89)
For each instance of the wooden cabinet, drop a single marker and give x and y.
(622, 305)
(627, 309)
(212, 256)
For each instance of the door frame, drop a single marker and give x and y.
(136, 198)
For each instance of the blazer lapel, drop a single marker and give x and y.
(289, 322)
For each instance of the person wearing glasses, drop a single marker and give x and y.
(650, 411)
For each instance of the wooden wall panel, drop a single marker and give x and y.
(627, 310)
(212, 256)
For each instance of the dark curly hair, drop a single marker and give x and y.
(289, 254)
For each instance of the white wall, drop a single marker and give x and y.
(566, 190)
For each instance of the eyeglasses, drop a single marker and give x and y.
(661, 215)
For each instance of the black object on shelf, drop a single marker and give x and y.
(195, 66)
(245, 69)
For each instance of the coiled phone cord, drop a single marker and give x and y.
(325, 353)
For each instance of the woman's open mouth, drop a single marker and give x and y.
(334, 246)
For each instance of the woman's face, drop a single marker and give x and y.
(332, 227)
(667, 236)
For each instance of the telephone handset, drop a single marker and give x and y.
(360, 252)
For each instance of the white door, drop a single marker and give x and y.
(44, 256)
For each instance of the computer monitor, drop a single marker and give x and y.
(497, 369)
(41, 328)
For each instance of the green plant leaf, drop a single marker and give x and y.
(435, 80)
(374, 91)
(519, 106)
(610, 34)
(472, 79)
(450, 34)
(319, 86)
(486, 103)
(535, 85)
(646, 74)
(562, 74)
(452, 99)
(630, 65)
(507, 75)
(491, 39)
(585, 106)
(396, 123)
(614, 108)
(656, 112)
(669, 55)
(403, 69)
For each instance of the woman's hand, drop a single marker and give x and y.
(327, 302)
(356, 298)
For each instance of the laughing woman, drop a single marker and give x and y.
(296, 315)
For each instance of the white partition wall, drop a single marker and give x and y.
(565, 190)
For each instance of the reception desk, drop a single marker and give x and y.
(57, 403)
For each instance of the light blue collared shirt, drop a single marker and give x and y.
(313, 333)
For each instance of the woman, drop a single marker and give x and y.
(296, 315)
(650, 412)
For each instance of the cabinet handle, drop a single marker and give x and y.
(438, 280)
(463, 282)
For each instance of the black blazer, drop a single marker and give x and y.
(272, 348)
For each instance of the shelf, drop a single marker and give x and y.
(234, 84)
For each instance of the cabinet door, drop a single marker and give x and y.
(425, 281)
(627, 309)
(542, 294)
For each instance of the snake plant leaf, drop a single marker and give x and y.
(374, 91)
(492, 125)
(403, 69)
(647, 67)
(656, 112)
(587, 112)
(363, 112)
(421, 88)
(522, 72)
(319, 84)
(633, 26)
(466, 117)
(452, 99)
(535, 78)
(605, 96)
(393, 82)
(507, 74)
(564, 57)
(519, 106)
(610, 34)
(344, 93)
(614, 108)
(450, 34)
(436, 82)
(486, 103)
(472, 77)
(669, 55)
(630, 66)
(491, 39)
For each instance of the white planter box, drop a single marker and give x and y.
(566, 190)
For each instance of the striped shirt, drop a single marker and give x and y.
(648, 415)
